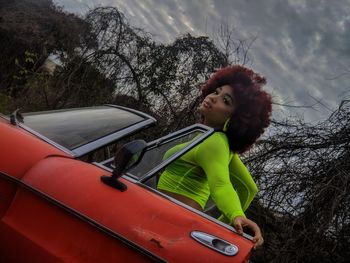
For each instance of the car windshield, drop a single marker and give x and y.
(76, 127)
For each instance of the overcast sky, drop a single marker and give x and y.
(302, 47)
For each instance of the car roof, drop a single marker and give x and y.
(79, 131)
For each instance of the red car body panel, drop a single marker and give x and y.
(36, 231)
(55, 208)
(20, 150)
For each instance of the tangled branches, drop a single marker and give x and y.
(304, 178)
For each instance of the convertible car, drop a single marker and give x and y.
(77, 186)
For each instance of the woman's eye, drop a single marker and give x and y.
(227, 101)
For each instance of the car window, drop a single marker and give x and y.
(154, 159)
(83, 130)
(156, 154)
(76, 127)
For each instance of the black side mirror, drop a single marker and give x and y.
(127, 157)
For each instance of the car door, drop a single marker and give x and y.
(208, 239)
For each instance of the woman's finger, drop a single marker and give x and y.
(238, 225)
(258, 241)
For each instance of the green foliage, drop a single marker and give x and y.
(5, 104)
(27, 68)
(30, 58)
(30, 31)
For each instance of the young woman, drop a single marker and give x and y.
(239, 110)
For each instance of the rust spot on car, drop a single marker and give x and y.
(157, 242)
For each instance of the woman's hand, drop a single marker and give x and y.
(239, 222)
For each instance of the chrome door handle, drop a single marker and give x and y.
(215, 243)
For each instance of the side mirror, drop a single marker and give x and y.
(127, 157)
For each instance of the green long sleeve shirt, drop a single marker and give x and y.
(211, 168)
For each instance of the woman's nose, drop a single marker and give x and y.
(212, 98)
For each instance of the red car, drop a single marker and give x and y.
(64, 198)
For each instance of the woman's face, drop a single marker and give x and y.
(218, 106)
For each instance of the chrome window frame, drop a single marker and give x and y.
(100, 142)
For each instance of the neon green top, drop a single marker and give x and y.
(211, 168)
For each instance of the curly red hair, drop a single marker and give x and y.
(253, 105)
